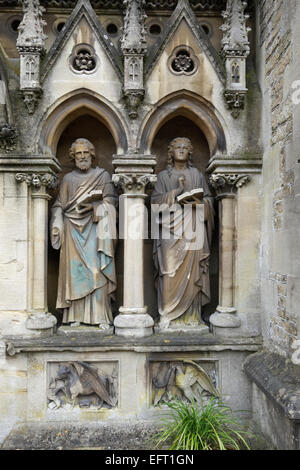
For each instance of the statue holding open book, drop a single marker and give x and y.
(182, 271)
(82, 227)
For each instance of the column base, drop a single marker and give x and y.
(133, 324)
(224, 320)
(41, 324)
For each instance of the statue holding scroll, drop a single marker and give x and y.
(182, 273)
(87, 278)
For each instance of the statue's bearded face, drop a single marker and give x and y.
(83, 157)
(181, 151)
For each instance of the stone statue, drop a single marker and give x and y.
(182, 273)
(87, 278)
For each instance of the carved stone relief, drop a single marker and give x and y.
(185, 380)
(82, 384)
(8, 138)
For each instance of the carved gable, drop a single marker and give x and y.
(185, 58)
(183, 64)
(83, 57)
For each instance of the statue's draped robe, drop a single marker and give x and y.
(87, 277)
(182, 274)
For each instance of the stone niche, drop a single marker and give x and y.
(91, 128)
(181, 126)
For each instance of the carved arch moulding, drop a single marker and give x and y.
(191, 106)
(76, 104)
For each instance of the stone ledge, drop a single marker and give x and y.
(128, 435)
(278, 378)
(154, 343)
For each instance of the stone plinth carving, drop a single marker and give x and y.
(184, 380)
(83, 228)
(182, 261)
(82, 384)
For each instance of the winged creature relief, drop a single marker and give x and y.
(184, 380)
(82, 384)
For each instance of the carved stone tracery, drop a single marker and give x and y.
(83, 59)
(183, 61)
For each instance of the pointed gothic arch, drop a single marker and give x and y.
(76, 104)
(191, 106)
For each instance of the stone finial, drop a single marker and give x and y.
(134, 31)
(235, 50)
(134, 48)
(235, 40)
(31, 45)
(31, 30)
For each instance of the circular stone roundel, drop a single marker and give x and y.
(183, 61)
(83, 59)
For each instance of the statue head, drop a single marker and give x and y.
(180, 149)
(83, 153)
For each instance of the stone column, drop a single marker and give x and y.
(226, 187)
(40, 319)
(133, 320)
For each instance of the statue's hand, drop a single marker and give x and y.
(181, 181)
(56, 240)
(83, 208)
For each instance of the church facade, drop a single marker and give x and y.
(166, 101)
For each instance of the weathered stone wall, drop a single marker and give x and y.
(278, 68)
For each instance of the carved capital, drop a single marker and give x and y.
(8, 138)
(31, 98)
(133, 183)
(47, 180)
(235, 101)
(227, 184)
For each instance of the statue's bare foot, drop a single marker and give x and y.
(164, 323)
(74, 324)
(104, 326)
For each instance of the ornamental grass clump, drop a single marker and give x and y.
(199, 426)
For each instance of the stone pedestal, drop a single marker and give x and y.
(133, 320)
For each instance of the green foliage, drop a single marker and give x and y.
(210, 426)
